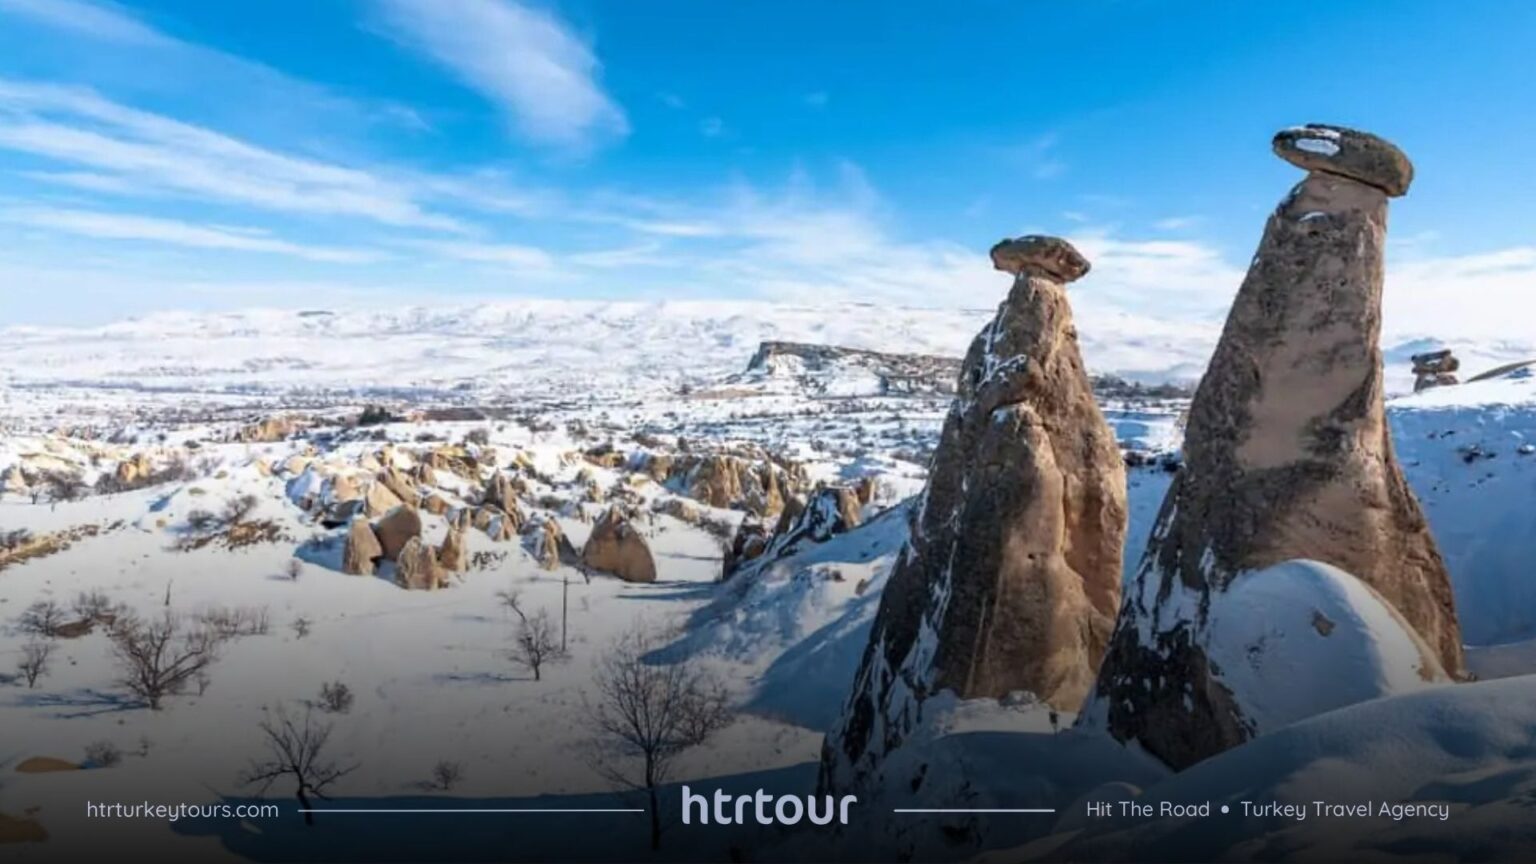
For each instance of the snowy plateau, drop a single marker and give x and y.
(204, 463)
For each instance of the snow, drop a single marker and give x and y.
(1466, 747)
(1277, 627)
(1318, 145)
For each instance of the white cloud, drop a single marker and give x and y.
(98, 21)
(511, 255)
(526, 61)
(1176, 223)
(126, 148)
(1488, 295)
(711, 127)
(115, 226)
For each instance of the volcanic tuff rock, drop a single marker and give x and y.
(1011, 578)
(1435, 369)
(398, 528)
(362, 549)
(418, 567)
(549, 545)
(616, 547)
(1287, 455)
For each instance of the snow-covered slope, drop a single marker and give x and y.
(532, 349)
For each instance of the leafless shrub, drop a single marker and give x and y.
(103, 754)
(649, 713)
(14, 539)
(301, 627)
(237, 510)
(446, 775)
(335, 697)
(295, 569)
(62, 486)
(34, 661)
(161, 656)
(233, 622)
(536, 643)
(296, 749)
(94, 605)
(202, 521)
(43, 618)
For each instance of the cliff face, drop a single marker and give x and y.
(1011, 578)
(897, 374)
(1287, 456)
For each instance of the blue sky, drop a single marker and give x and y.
(200, 155)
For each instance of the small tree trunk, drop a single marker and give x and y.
(309, 818)
(655, 821)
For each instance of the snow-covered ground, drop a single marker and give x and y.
(545, 384)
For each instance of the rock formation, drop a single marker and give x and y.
(1011, 577)
(615, 547)
(453, 554)
(362, 549)
(1435, 369)
(549, 545)
(747, 544)
(417, 567)
(380, 500)
(1287, 456)
(395, 530)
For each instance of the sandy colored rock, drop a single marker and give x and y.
(341, 489)
(616, 548)
(1435, 369)
(380, 500)
(402, 525)
(1287, 455)
(45, 765)
(399, 483)
(133, 470)
(19, 829)
(1360, 156)
(453, 554)
(436, 504)
(418, 568)
(362, 549)
(1013, 566)
(267, 431)
(500, 491)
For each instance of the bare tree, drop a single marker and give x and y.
(34, 661)
(649, 713)
(43, 618)
(446, 775)
(296, 749)
(536, 644)
(160, 657)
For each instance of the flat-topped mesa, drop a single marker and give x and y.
(1037, 254)
(1011, 577)
(1287, 456)
(1346, 153)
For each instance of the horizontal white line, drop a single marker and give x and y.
(514, 810)
(974, 810)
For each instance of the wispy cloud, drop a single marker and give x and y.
(96, 20)
(117, 226)
(525, 60)
(151, 154)
(711, 127)
(817, 99)
(509, 255)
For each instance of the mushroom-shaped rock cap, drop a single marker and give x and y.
(1051, 257)
(1357, 155)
